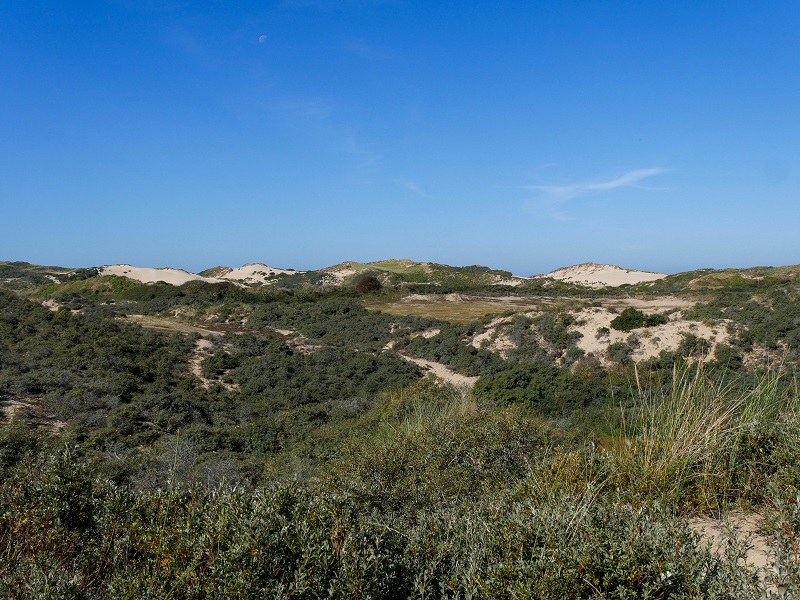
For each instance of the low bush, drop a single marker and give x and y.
(630, 319)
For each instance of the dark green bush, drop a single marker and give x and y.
(631, 318)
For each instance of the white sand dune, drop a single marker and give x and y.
(249, 274)
(148, 275)
(595, 275)
(255, 273)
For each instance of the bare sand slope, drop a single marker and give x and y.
(595, 275)
(147, 275)
(760, 549)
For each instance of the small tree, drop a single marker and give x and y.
(367, 284)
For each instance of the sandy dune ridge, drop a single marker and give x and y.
(249, 274)
(254, 273)
(596, 275)
(148, 275)
(588, 274)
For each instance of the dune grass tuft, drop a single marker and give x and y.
(702, 442)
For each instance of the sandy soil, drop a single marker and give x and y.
(652, 340)
(442, 372)
(494, 338)
(10, 408)
(594, 275)
(746, 526)
(51, 305)
(338, 273)
(513, 281)
(428, 333)
(201, 350)
(170, 325)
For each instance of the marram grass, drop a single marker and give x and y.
(702, 442)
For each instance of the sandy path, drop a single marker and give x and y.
(11, 409)
(442, 372)
(169, 325)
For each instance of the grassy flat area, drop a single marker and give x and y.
(457, 308)
(462, 309)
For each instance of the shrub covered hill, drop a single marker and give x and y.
(398, 429)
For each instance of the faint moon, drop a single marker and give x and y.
(262, 39)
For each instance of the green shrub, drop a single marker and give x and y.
(630, 319)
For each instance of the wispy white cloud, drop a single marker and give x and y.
(562, 193)
(412, 186)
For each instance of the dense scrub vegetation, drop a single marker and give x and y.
(86, 368)
(121, 388)
(21, 275)
(443, 497)
(306, 458)
(770, 317)
(333, 321)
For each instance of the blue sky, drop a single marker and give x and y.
(519, 135)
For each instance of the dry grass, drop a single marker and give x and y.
(458, 308)
(461, 309)
(170, 325)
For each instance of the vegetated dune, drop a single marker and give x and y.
(648, 341)
(596, 275)
(512, 281)
(587, 274)
(253, 273)
(336, 274)
(148, 275)
(594, 325)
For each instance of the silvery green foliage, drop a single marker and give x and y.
(65, 534)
